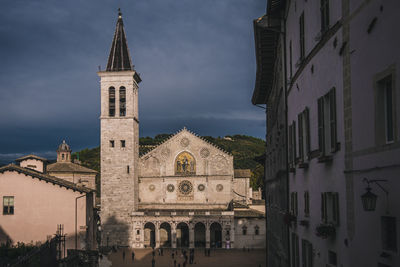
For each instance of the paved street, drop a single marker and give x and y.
(231, 258)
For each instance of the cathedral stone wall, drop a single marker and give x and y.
(185, 162)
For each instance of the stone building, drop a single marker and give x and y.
(269, 90)
(340, 67)
(75, 173)
(183, 193)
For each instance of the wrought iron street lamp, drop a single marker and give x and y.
(369, 198)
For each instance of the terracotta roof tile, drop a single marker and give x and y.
(249, 213)
(45, 177)
(31, 156)
(68, 167)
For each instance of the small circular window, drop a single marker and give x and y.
(220, 187)
(170, 188)
(185, 187)
(201, 187)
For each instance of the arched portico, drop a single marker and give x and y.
(165, 235)
(182, 235)
(215, 235)
(149, 235)
(199, 235)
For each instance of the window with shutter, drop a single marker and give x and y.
(323, 207)
(301, 142)
(385, 102)
(335, 208)
(327, 125)
(295, 251)
(306, 118)
(290, 145)
(332, 116)
(294, 142)
(321, 128)
(324, 15)
(302, 37)
(307, 253)
(306, 204)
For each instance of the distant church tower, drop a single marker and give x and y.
(119, 141)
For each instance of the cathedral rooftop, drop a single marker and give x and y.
(68, 167)
(119, 58)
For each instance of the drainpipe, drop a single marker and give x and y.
(76, 221)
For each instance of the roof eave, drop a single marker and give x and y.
(266, 41)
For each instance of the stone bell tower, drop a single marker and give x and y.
(119, 141)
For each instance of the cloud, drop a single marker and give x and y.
(196, 59)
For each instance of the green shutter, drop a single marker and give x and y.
(294, 143)
(321, 128)
(332, 116)
(336, 208)
(306, 118)
(290, 144)
(301, 148)
(323, 207)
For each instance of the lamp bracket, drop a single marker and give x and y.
(377, 182)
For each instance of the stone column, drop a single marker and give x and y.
(208, 235)
(142, 235)
(173, 235)
(232, 232)
(157, 233)
(191, 235)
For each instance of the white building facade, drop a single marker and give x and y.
(341, 71)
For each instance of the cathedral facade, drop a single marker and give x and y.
(183, 193)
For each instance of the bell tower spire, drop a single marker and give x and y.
(119, 58)
(119, 141)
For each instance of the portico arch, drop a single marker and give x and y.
(149, 235)
(199, 235)
(165, 235)
(216, 235)
(182, 235)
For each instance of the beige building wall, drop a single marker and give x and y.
(250, 239)
(33, 164)
(80, 179)
(39, 207)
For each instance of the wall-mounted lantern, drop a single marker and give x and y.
(369, 198)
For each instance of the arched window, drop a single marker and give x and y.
(111, 101)
(244, 230)
(122, 101)
(256, 230)
(185, 164)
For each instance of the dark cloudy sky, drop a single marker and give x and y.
(196, 59)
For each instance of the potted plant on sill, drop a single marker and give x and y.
(325, 230)
(289, 218)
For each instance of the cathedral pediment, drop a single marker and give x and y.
(186, 154)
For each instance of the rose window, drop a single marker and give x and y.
(185, 187)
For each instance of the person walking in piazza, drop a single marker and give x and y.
(123, 255)
(153, 262)
(133, 256)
